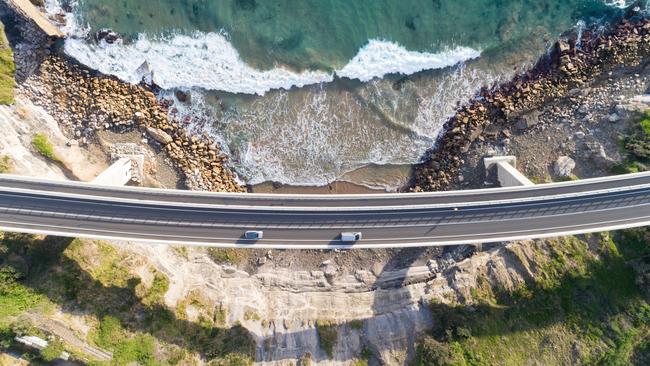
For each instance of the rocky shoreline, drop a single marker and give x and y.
(84, 101)
(567, 66)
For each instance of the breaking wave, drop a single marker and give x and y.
(209, 61)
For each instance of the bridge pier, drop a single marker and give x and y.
(507, 173)
(118, 174)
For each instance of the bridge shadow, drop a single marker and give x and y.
(604, 289)
(43, 266)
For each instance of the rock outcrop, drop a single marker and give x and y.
(563, 166)
(83, 101)
(566, 66)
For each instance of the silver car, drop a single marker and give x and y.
(254, 234)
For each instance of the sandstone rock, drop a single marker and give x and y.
(563, 166)
(159, 135)
(182, 96)
(596, 152)
(107, 35)
(527, 120)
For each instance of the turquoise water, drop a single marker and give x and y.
(310, 91)
(325, 34)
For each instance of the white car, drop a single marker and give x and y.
(254, 234)
(351, 236)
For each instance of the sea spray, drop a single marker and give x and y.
(209, 61)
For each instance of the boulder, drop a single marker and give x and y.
(563, 166)
(107, 35)
(182, 96)
(596, 152)
(527, 120)
(159, 135)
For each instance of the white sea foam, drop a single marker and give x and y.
(619, 3)
(378, 58)
(204, 60)
(209, 61)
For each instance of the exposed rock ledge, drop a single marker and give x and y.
(281, 307)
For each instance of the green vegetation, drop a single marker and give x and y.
(155, 293)
(92, 277)
(44, 147)
(305, 360)
(581, 308)
(53, 350)
(7, 69)
(572, 177)
(226, 256)
(126, 348)
(366, 353)
(327, 336)
(636, 148)
(356, 324)
(6, 166)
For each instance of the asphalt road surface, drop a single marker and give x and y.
(316, 221)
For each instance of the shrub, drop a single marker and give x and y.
(44, 147)
(645, 125)
(5, 164)
(431, 352)
(109, 333)
(225, 256)
(7, 69)
(327, 335)
(53, 350)
(356, 324)
(138, 349)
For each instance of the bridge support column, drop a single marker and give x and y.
(507, 172)
(117, 174)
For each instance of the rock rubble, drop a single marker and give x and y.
(565, 68)
(83, 102)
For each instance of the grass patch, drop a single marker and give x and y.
(356, 324)
(156, 292)
(327, 336)
(6, 165)
(7, 69)
(91, 277)
(252, 315)
(581, 308)
(126, 348)
(226, 255)
(570, 178)
(635, 147)
(53, 350)
(44, 147)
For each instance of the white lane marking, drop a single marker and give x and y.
(359, 245)
(175, 192)
(536, 201)
(395, 196)
(320, 240)
(296, 226)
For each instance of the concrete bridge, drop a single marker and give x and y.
(90, 210)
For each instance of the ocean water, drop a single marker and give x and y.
(308, 91)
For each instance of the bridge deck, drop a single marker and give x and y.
(296, 221)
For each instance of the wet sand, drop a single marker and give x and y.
(338, 187)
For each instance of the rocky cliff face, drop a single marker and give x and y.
(383, 313)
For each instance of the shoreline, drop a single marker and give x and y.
(336, 187)
(565, 67)
(200, 160)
